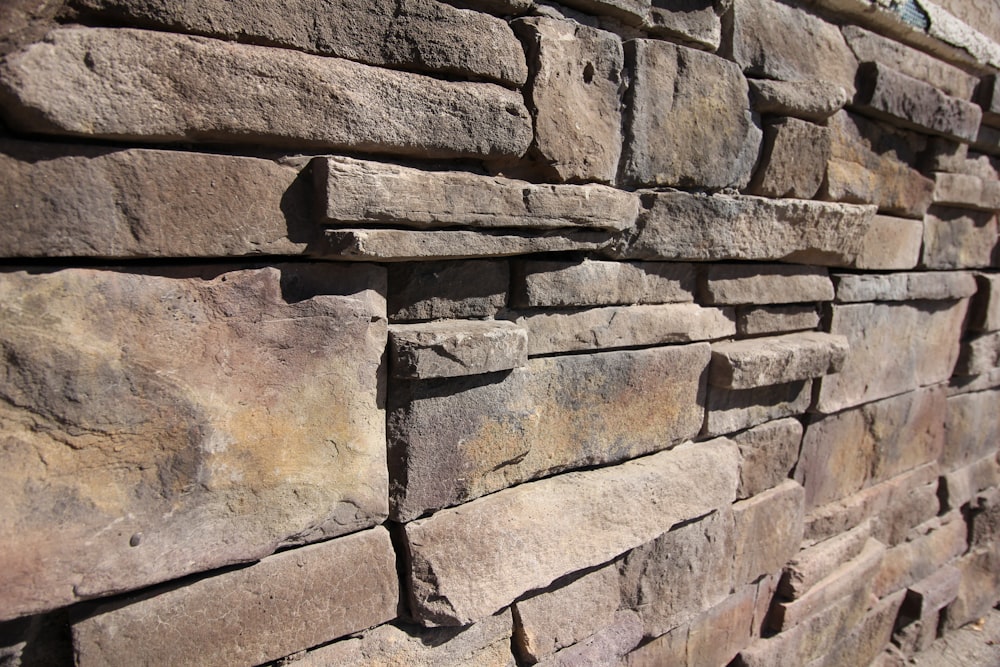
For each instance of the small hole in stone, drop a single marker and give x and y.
(588, 73)
(135, 540)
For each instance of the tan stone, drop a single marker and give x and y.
(980, 354)
(811, 100)
(768, 452)
(600, 283)
(723, 631)
(984, 519)
(760, 362)
(890, 244)
(868, 638)
(937, 285)
(694, 22)
(966, 191)
(451, 348)
(967, 384)
(754, 320)
(973, 428)
(980, 587)
(605, 647)
(959, 487)
(793, 159)
(984, 310)
(768, 531)
(956, 238)
(816, 563)
(932, 593)
(932, 546)
(732, 410)
(756, 284)
(668, 649)
(447, 290)
(630, 12)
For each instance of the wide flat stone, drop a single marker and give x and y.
(937, 285)
(785, 169)
(754, 320)
(732, 410)
(605, 647)
(767, 454)
(630, 12)
(456, 347)
(732, 284)
(979, 355)
(761, 362)
(815, 563)
(956, 238)
(590, 282)
(695, 23)
(890, 244)
(148, 406)
(466, 562)
(959, 487)
(810, 100)
(966, 191)
(472, 289)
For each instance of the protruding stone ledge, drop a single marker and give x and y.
(762, 362)
(539, 284)
(959, 487)
(984, 310)
(734, 284)
(731, 410)
(466, 562)
(815, 563)
(809, 100)
(936, 286)
(456, 347)
(890, 244)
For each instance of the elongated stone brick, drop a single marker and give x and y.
(732, 410)
(605, 647)
(759, 362)
(890, 243)
(694, 22)
(810, 100)
(472, 289)
(453, 348)
(598, 283)
(931, 546)
(956, 238)
(937, 285)
(753, 320)
(741, 283)
(966, 190)
(815, 563)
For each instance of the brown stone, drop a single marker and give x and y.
(143, 412)
(768, 531)
(465, 563)
(451, 348)
(984, 519)
(768, 452)
(966, 191)
(959, 487)
(932, 593)
(868, 638)
(599, 283)
(605, 647)
(756, 284)
(956, 238)
(793, 159)
(454, 439)
(980, 354)
(630, 12)
(973, 428)
(761, 362)
(816, 563)
(984, 310)
(810, 100)
(754, 320)
(933, 545)
(694, 22)
(732, 410)
(987, 140)
(723, 631)
(980, 587)
(890, 244)
(444, 290)
(966, 384)
(857, 287)
(283, 604)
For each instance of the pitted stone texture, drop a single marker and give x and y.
(575, 97)
(921, 337)
(972, 429)
(984, 519)
(793, 159)
(984, 310)
(453, 440)
(890, 244)
(980, 587)
(283, 604)
(959, 487)
(753, 320)
(421, 35)
(445, 290)
(980, 354)
(732, 410)
(938, 286)
(150, 407)
(456, 347)
(813, 564)
(810, 100)
(359, 192)
(756, 284)
(138, 85)
(607, 646)
(957, 238)
(694, 22)
(761, 362)
(966, 191)
(625, 326)
(768, 531)
(767, 454)
(689, 124)
(929, 547)
(147, 203)
(869, 639)
(466, 562)
(679, 225)
(598, 283)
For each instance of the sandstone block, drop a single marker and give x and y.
(945, 155)
(979, 590)
(816, 563)
(920, 336)
(455, 439)
(678, 225)
(965, 384)
(754, 320)
(732, 410)
(447, 290)
(934, 544)
(973, 428)
(283, 604)
(959, 487)
(988, 97)
(420, 35)
(984, 310)
(853, 287)
(624, 326)
(498, 7)
(932, 593)
(810, 100)
(980, 354)
(466, 562)
(576, 74)
(984, 519)
(756, 284)
(966, 191)
(890, 244)
(723, 631)
(456, 347)
(760, 362)
(957, 238)
(599, 283)
(688, 123)
(150, 405)
(869, 638)
(793, 159)
(630, 12)
(668, 649)
(694, 22)
(605, 647)
(768, 531)
(767, 453)
(136, 85)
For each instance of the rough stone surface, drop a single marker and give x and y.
(284, 603)
(793, 159)
(695, 22)
(769, 528)
(723, 631)
(754, 320)
(980, 587)
(767, 452)
(971, 383)
(960, 486)
(868, 638)
(988, 97)
(921, 337)
(599, 283)
(444, 290)
(605, 647)
(631, 12)
(973, 428)
(760, 362)
(164, 409)
(690, 124)
(853, 288)
(625, 326)
(890, 244)
(451, 348)
(966, 191)
(987, 140)
(814, 564)
(756, 284)
(575, 97)
(985, 519)
(930, 547)
(517, 540)
(980, 354)
(957, 238)
(456, 439)
(732, 410)
(810, 100)
(125, 84)
(421, 35)
(984, 310)
(932, 593)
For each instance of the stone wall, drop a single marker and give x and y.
(497, 332)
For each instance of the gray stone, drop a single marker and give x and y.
(630, 12)
(575, 97)
(693, 22)
(732, 410)
(723, 631)
(793, 159)
(945, 155)
(810, 100)
(499, 7)
(984, 309)
(931, 546)
(446, 290)
(466, 562)
(456, 439)
(421, 35)
(966, 191)
(147, 405)
(767, 454)
(890, 244)
(987, 140)
(136, 85)
(754, 320)
(957, 238)
(980, 587)
(756, 284)
(761, 362)
(283, 604)
(984, 519)
(605, 647)
(600, 283)
(689, 124)
(980, 354)
(456, 347)
(814, 564)
(624, 326)
(358, 192)
(769, 528)
(938, 286)
(973, 383)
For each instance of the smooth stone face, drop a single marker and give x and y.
(967, 191)
(453, 440)
(753, 320)
(956, 238)
(959, 487)
(756, 284)
(980, 354)
(973, 428)
(283, 604)
(760, 362)
(598, 283)
(810, 100)
(768, 452)
(870, 639)
(694, 22)
(769, 529)
(466, 562)
(137, 85)
(793, 159)
(937, 285)
(473, 289)
(732, 410)
(890, 244)
(723, 631)
(984, 310)
(605, 647)
(690, 124)
(453, 348)
(136, 461)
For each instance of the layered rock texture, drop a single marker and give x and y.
(497, 332)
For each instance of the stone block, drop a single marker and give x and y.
(855, 287)
(420, 35)
(456, 347)
(358, 192)
(984, 519)
(966, 384)
(767, 453)
(668, 649)
(148, 413)
(136, 85)
(984, 309)
(816, 563)
(980, 354)
(979, 590)
(931, 546)
(793, 159)
(966, 191)
(455, 439)
(957, 238)
(445, 290)
(679, 225)
(498, 7)
(869, 638)
(755, 320)
(630, 12)
(688, 122)
(959, 487)
(541, 284)
(988, 97)
(761, 362)
(465, 563)
(933, 593)
(607, 646)
(921, 337)
(755, 284)
(890, 244)
(624, 326)
(769, 528)
(972, 430)
(810, 100)
(730, 410)
(283, 604)
(693, 22)
(576, 74)
(987, 140)
(719, 634)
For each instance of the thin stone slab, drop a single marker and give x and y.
(281, 605)
(136, 85)
(731, 410)
(809, 100)
(815, 563)
(980, 587)
(956, 238)
(630, 12)
(755, 320)
(966, 191)
(868, 640)
(692, 22)
(890, 244)
(767, 454)
(466, 562)
(984, 310)
(456, 439)
(473, 289)
(733, 284)
(149, 406)
(979, 355)
(793, 159)
(761, 362)
(937, 286)
(599, 283)
(358, 192)
(451, 348)
(930, 546)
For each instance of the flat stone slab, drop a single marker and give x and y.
(967, 191)
(465, 563)
(815, 563)
(693, 22)
(470, 289)
(754, 320)
(598, 283)
(456, 347)
(731, 410)
(606, 646)
(762, 362)
(979, 355)
(732, 284)
(810, 100)
(891, 244)
(938, 285)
